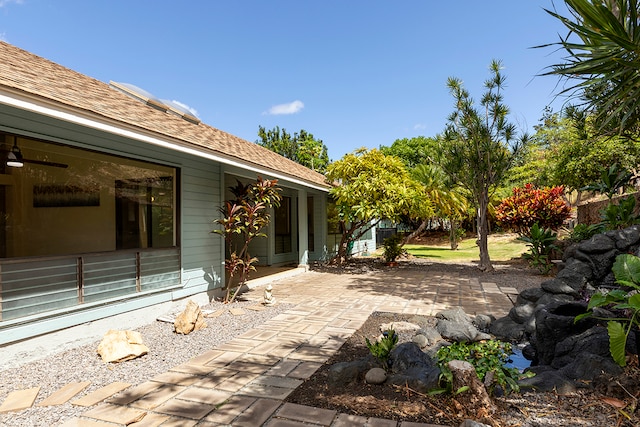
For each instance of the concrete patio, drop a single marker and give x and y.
(244, 382)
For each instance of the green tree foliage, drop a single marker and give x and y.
(449, 200)
(567, 150)
(602, 61)
(371, 187)
(301, 147)
(241, 221)
(413, 151)
(530, 205)
(478, 148)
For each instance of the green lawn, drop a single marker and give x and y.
(501, 248)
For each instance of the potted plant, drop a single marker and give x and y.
(392, 249)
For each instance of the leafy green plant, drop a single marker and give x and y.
(626, 302)
(393, 248)
(381, 348)
(540, 242)
(584, 232)
(486, 357)
(620, 215)
(611, 181)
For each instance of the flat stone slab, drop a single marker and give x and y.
(64, 394)
(216, 313)
(237, 311)
(116, 414)
(19, 400)
(100, 394)
(257, 307)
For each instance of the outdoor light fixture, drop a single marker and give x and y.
(14, 159)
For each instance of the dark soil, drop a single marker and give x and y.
(589, 407)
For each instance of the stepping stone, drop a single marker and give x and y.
(237, 311)
(216, 313)
(82, 422)
(257, 307)
(100, 394)
(19, 400)
(64, 394)
(116, 414)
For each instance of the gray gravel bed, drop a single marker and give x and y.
(166, 350)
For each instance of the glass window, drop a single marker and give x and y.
(65, 200)
(283, 226)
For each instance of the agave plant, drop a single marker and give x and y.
(603, 58)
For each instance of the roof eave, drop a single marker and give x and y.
(50, 108)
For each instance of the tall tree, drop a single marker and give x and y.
(412, 151)
(602, 62)
(372, 187)
(478, 147)
(301, 147)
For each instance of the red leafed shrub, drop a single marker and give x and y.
(529, 205)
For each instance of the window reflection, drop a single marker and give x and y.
(66, 200)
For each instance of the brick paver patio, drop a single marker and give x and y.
(244, 382)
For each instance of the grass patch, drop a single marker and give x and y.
(501, 248)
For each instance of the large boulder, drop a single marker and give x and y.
(119, 346)
(554, 323)
(507, 329)
(456, 325)
(191, 319)
(419, 378)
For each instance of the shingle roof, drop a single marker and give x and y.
(33, 75)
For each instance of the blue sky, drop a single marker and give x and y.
(354, 73)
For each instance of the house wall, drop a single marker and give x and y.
(199, 198)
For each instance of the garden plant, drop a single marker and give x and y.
(242, 220)
(625, 302)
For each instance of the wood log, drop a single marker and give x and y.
(475, 400)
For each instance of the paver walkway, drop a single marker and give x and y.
(244, 382)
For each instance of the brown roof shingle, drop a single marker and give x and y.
(30, 74)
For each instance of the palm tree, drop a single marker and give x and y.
(448, 200)
(602, 61)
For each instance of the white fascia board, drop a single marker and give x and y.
(68, 116)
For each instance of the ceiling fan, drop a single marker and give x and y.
(16, 160)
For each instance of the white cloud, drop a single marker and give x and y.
(419, 126)
(4, 3)
(290, 108)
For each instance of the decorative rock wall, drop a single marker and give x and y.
(562, 350)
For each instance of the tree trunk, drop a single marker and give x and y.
(474, 399)
(483, 233)
(417, 232)
(453, 234)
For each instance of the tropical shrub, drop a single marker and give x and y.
(617, 216)
(584, 232)
(242, 220)
(541, 243)
(393, 248)
(529, 205)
